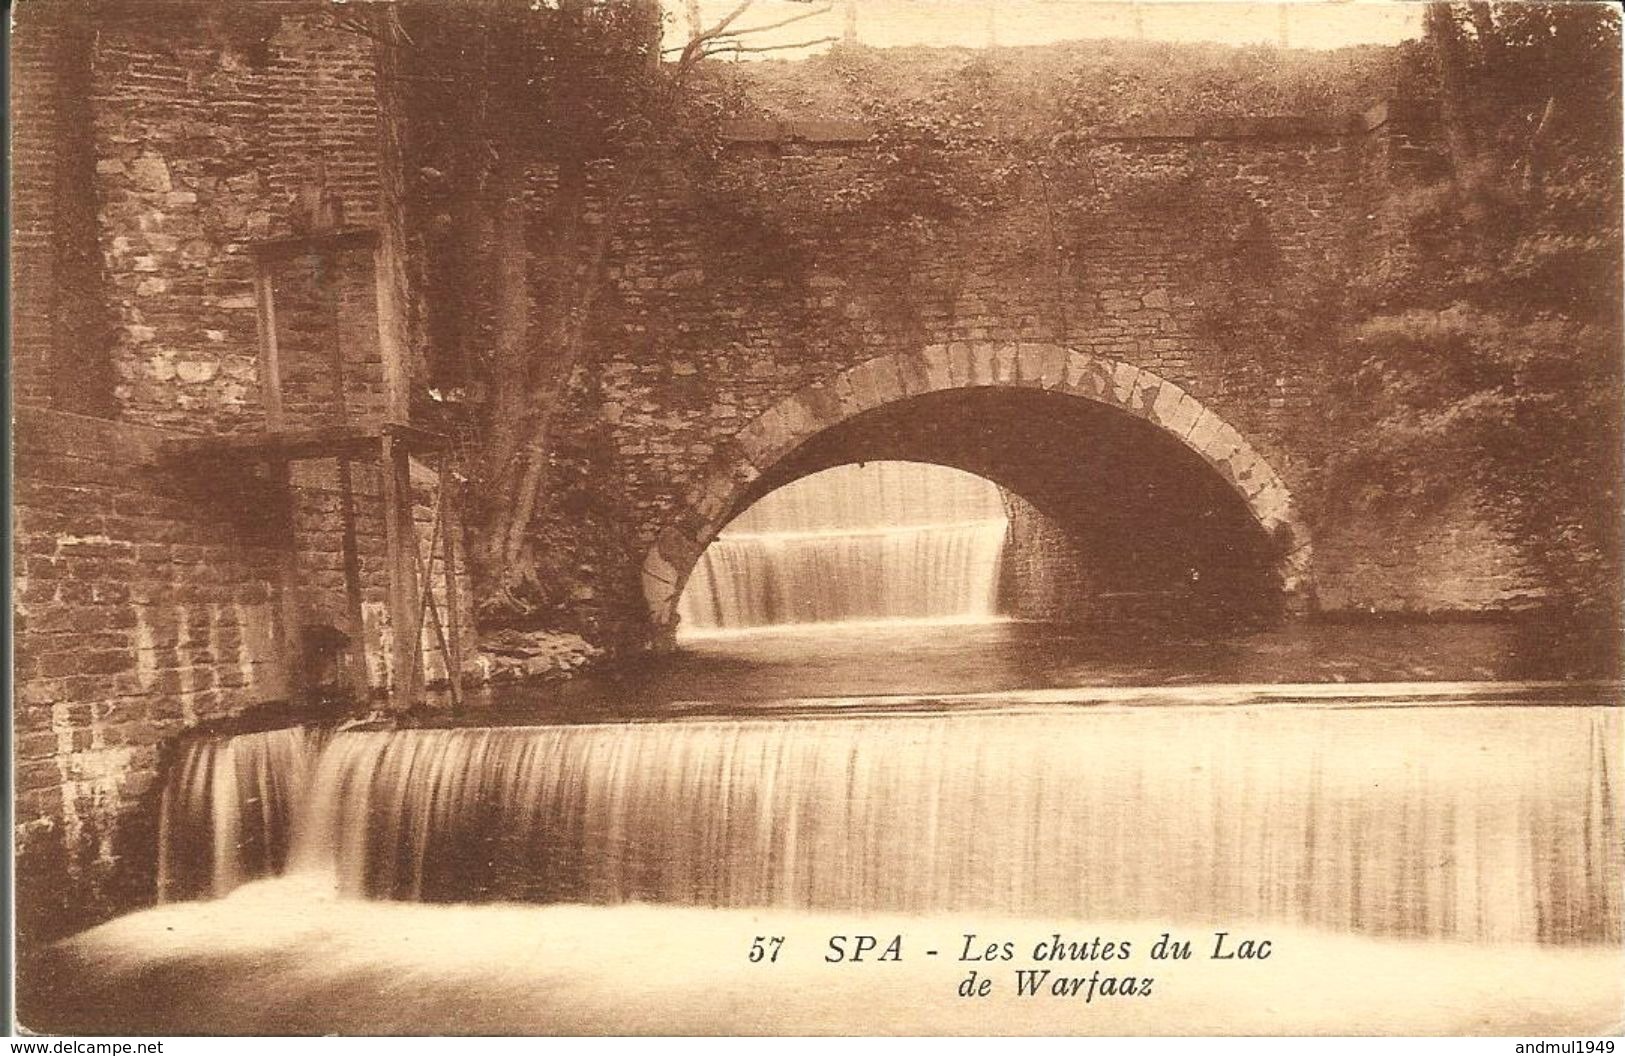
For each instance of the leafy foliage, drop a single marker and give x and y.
(1487, 339)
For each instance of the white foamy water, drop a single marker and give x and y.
(275, 958)
(229, 808)
(1478, 824)
(880, 541)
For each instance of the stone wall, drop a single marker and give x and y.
(206, 134)
(1044, 577)
(144, 605)
(1455, 557)
(153, 151)
(724, 314)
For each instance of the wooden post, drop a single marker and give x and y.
(355, 662)
(392, 344)
(290, 633)
(324, 262)
(400, 545)
(448, 565)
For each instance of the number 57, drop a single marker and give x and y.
(766, 948)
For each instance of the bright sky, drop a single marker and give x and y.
(977, 23)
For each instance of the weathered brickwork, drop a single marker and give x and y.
(151, 155)
(143, 605)
(58, 306)
(203, 145)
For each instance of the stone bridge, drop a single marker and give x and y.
(1124, 438)
(1093, 368)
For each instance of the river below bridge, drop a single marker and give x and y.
(768, 668)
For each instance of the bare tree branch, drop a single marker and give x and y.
(735, 48)
(712, 34)
(826, 9)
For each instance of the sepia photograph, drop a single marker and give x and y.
(817, 517)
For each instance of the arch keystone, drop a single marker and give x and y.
(1004, 364)
(938, 367)
(981, 364)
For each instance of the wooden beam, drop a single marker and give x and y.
(329, 441)
(392, 342)
(323, 244)
(400, 548)
(270, 365)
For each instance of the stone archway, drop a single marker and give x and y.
(968, 365)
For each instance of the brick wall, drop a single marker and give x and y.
(144, 605)
(58, 317)
(151, 155)
(203, 143)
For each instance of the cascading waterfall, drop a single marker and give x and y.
(228, 809)
(880, 541)
(1475, 823)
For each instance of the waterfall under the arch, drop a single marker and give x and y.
(874, 541)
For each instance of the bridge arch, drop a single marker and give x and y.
(736, 473)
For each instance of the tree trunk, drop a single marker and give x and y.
(507, 423)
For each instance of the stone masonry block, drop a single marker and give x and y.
(960, 374)
(1030, 364)
(913, 372)
(1124, 378)
(1052, 368)
(846, 397)
(1174, 409)
(656, 591)
(678, 550)
(873, 383)
(938, 367)
(1143, 394)
(1224, 443)
(1077, 364)
(981, 366)
(1004, 365)
(775, 431)
(1095, 379)
(823, 405)
(1203, 430)
(1164, 403)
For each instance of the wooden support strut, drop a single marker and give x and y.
(454, 655)
(400, 547)
(290, 631)
(390, 444)
(355, 613)
(431, 608)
